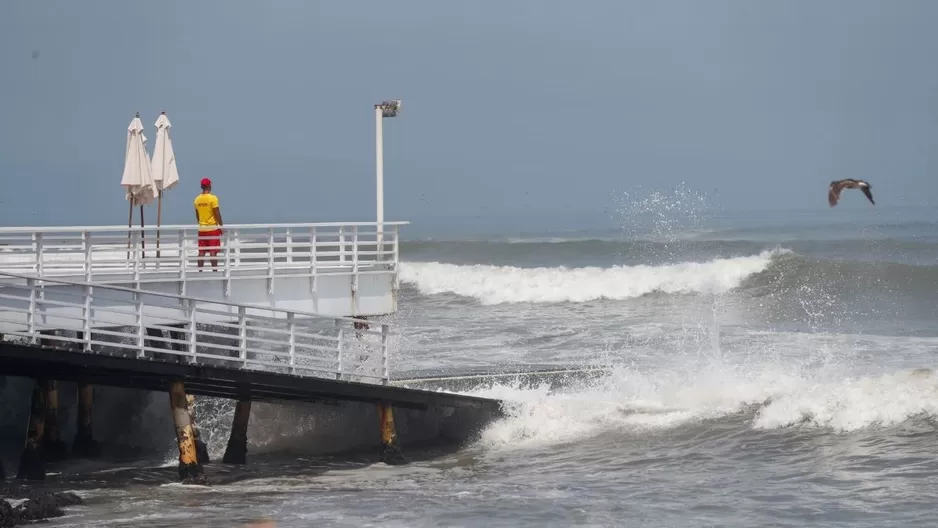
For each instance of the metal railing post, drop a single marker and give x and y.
(270, 248)
(86, 317)
(341, 243)
(242, 336)
(86, 245)
(31, 315)
(227, 245)
(386, 371)
(183, 259)
(291, 328)
(313, 255)
(237, 236)
(193, 342)
(289, 246)
(157, 255)
(270, 261)
(396, 259)
(137, 262)
(355, 258)
(340, 339)
(39, 253)
(380, 244)
(141, 342)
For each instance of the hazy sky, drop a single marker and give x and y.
(510, 106)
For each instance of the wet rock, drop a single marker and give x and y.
(392, 455)
(7, 516)
(192, 474)
(37, 509)
(37, 506)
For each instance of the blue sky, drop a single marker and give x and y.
(520, 107)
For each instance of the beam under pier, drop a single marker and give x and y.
(237, 450)
(32, 463)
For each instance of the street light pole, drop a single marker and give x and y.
(379, 165)
(384, 109)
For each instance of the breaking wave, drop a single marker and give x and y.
(508, 284)
(771, 272)
(764, 398)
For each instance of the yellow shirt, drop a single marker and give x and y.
(205, 205)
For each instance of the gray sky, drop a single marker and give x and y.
(510, 106)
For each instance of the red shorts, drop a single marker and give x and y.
(209, 245)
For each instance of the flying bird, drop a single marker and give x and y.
(836, 186)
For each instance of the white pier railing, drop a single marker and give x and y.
(245, 251)
(96, 319)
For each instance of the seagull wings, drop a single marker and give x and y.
(833, 193)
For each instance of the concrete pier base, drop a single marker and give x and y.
(32, 462)
(237, 450)
(190, 469)
(84, 445)
(391, 453)
(53, 447)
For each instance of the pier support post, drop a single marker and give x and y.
(84, 444)
(201, 450)
(190, 470)
(237, 450)
(391, 453)
(53, 447)
(32, 463)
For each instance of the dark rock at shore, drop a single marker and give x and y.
(37, 506)
(37, 509)
(7, 516)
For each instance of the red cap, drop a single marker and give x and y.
(206, 182)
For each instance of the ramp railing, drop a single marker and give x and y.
(92, 318)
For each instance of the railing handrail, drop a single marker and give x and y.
(98, 229)
(185, 298)
(304, 345)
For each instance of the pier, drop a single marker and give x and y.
(291, 314)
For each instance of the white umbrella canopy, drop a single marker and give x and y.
(137, 179)
(165, 174)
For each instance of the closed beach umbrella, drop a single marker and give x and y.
(165, 174)
(137, 179)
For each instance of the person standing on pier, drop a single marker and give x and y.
(209, 217)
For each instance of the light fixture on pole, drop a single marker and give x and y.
(389, 108)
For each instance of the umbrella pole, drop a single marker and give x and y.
(130, 223)
(159, 218)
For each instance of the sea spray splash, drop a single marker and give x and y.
(668, 216)
(855, 403)
(819, 391)
(630, 401)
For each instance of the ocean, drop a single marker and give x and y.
(758, 369)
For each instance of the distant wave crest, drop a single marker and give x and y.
(507, 284)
